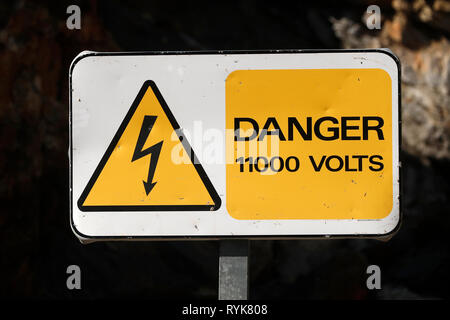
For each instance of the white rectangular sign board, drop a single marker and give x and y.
(274, 144)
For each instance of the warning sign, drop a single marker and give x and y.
(332, 134)
(235, 144)
(138, 171)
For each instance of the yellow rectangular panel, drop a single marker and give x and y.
(309, 144)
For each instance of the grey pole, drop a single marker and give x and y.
(233, 269)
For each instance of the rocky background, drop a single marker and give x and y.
(36, 243)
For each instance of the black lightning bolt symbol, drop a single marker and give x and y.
(154, 150)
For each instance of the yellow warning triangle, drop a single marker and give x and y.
(149, 165)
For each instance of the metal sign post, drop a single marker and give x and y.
(233, 269)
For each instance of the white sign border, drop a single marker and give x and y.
(396, 152)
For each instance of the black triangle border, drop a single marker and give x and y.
(201, 172)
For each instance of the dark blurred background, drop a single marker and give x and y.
(36, 242)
